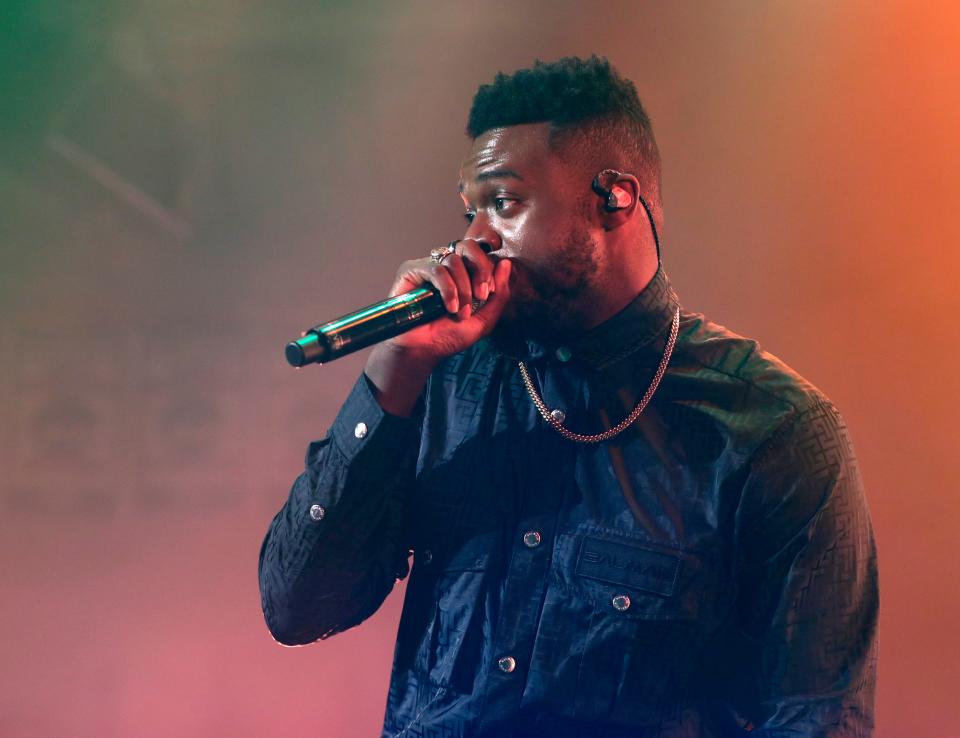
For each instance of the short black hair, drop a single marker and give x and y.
(591, 109)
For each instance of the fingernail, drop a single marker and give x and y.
(484, 292)
(454, 305)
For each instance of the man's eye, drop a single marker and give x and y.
(468, 216)
(500, 203)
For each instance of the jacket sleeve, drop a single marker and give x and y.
(808, 596)
(334, 551)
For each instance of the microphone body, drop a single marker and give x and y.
(366, 326)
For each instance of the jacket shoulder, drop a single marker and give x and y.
(750, 388)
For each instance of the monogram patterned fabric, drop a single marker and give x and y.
(711, 571)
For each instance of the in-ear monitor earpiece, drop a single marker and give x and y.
(618, 199)
(615, 196)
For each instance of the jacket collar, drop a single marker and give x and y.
(632, 332)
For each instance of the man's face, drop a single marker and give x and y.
(531, 206)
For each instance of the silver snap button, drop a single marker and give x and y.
(531, 539)
(426, 557)
(621, 602)
(317, 512)
(361, 430)
(563, 354)
(506, 664)
(558, 415)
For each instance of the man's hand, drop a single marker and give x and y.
(399, 367)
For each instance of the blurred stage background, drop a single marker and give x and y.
(184, 186)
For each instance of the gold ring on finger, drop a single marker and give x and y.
(438, 255)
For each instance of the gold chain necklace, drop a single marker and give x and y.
(555, 418)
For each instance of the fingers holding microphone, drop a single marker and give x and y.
(482, 280)
(472, 269)
(490, 282)
(447, 259)
(473, 286)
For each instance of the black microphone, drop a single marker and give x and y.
(367, 326)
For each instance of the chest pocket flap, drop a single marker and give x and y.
(610, 569)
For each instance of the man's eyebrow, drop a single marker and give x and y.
(496, 174)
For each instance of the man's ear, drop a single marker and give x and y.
(620, 193)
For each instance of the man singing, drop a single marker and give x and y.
(625, 520)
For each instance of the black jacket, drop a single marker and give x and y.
(711, 571)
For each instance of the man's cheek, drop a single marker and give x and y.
(518, 234)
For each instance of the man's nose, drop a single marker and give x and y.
(481, 231)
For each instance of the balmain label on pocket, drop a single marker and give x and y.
(630, 566)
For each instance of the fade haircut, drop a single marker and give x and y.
(594, 114)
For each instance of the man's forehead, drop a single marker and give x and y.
(518, 149)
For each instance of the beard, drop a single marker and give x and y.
(549, 301)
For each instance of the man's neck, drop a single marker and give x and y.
(632, 330)
(616, 292)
